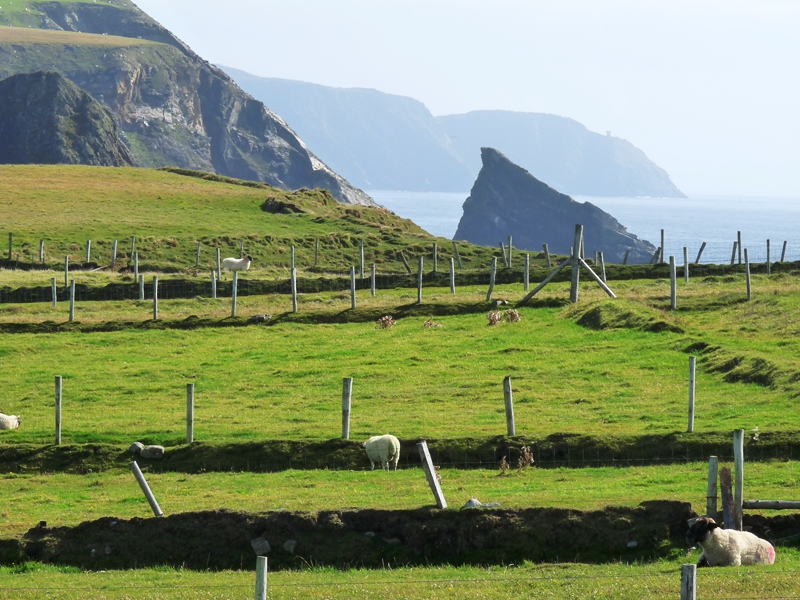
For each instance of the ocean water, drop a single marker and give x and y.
(687, 222)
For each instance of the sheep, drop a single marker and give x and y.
(383, 449)
(9, 421)
(727, 547)
(237, 264)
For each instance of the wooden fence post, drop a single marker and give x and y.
(509, 400)
(316, 253)
(141, 288)
(526, 275)
(510, 248)
(419, 282)
(700, 252)
(673, 284)
(711, 494)
(505, 258)
(114, 255)
(155, 298)
(458, 256)
(41, 251)
(66, 271)
(353, 288)
(769, 264)
(372, 270)
(685, 264)
(405, 263)
(151, 499)
(733, 253)
(726, 494)
(626, 257)
(294, 290)
(53, 291)
(189, 413)
(747, 275)
(235, 293)
(88, 251)
(347, 402)
(213, 284)
(58, 410)
(602, 266)
(739, 244)
(136, 267)
(430, 474)
(692, 371)
(547, 256)
(661, 249)
(219, 264)
(491, 279)
(576, 264)
(738, 460)
(72, 300)
(133, 244)
(452, 276)
(689, 582)
(261, 578)
(197, 257)
(783, 252)
(435, 257)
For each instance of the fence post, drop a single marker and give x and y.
(151, 499)
(452, 276)
(747, 275)
(526, 275)
(510, 247)
(261, 578)
(699, 253)
(769, 265)
(353, 288)
(294, 290)
(133, 245)
(372, 279)
(347, 402)
(685, 264)
(66, 271)
(41, 251)
(547, 256)
(213, 284)
(458, 256)
(10, 244)
(711, 494)
(316, 253)
(53, 290)
(291, 266)
(783, 252)
(576, 264)
(155, 298)
(602, 266)
(738, 460)
(141, 288)
(435, 257)
(114, 255)
(197, 257)
(419, 282)
(689, 582)
(189, 413)
(733, 253)
(58, 410)
(491, 279)
(88, 250)
(726, 494)
(739, 244)
(219, 264)
(430, 474)
(235, 292)
(692, 370)
(72, 300)
(505, 258)
(673, 284)
(509, 400)
(661, 249)
(361, 258)
(136, 267)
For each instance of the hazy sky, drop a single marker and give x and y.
(708, 89)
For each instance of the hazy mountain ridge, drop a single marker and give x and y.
(385, 141)
(172, 106)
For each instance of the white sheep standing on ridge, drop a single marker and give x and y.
(728, 547)
(9, 421)
(383, 449)
(237, 264)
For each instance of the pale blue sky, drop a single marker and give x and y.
(709, 89)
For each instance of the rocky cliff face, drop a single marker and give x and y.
(172, 106)
(507, 200)
(47, 119)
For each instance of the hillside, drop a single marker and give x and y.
(172, 107)
(384, 141)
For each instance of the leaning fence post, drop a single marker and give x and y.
(692, 369)
(53, 290)
(711, 494)
(783, 252)
(700, 252)
(189, 413)
(626, 257)
(155, 298)
(430, 474)
(576, 264)
(733, 253)
(547, 256)
(509, 400)
(72, 300)
(458, 256)
(738, 460)
(419, 282)
(347, 401)
(261, 578)
(235, 292)
(151, 499)
(602, 266)
(491, 279)
(353, 288)
(58, 410)
(689, 582)
(294, 290)
(747, 275)
(673, 289)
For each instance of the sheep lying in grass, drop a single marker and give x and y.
(237, 264)
(726, 547)
(383, 449)
(9, 421)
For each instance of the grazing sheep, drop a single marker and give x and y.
(9, 421)
(237, 264)
(726, 547)
(383, 449)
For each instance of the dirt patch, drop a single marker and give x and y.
(364, 538)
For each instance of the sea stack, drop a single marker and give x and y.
(506, 200)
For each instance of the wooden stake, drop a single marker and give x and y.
(769, 264)
(72, 301)
(53, 291)
(261, 578)
(294, 290)
(783, 252)
(726, 492)
(505, 258)
(372, 279)
(430, 474)
(491, 279)
(88, 251)
(435, 257)
(151, 499)
(733, 253)
(136, 268)
(689, 582)
(113, 255)
(602, 266)
(219, 264)
(702, 247)
(510, 247)
(627, 256)
(661, 250)
(458, 256)
(526, 275)
(576, 272)
(452, 276)
(673, 279)
(711, 494)
(197, 257)
(509, 401)
(405, 263)
(291, 264)
(66, 271)
(213, 284)
(353, 288)
(685, 264)
(316, 253)
(41, 251)
(155, 298)
(361, 259)
(58, 410)
(347, 400)
(141, 288)
(747, 275)
(739, 244)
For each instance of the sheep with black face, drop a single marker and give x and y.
(726, 547)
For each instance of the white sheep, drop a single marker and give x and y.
(9, 421)
(727, 547)
(383, 449)
(237, 264)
